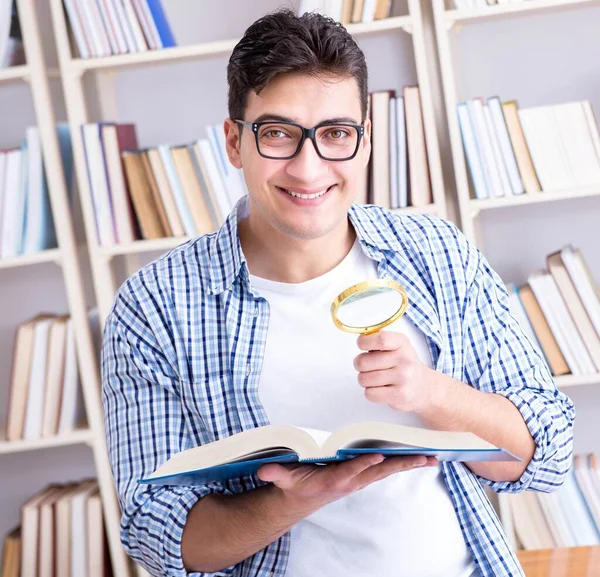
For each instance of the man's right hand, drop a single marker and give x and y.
(307, 488)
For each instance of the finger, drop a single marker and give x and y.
(378, 378)
(381, 341)
(375, 361)
(391, 466)
(272, 473)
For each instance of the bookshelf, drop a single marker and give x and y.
(480, 219)
(37, 75)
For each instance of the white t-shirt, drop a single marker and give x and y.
(404, 525)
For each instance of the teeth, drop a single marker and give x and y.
(307, 196)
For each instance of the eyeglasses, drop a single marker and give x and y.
(284, 140)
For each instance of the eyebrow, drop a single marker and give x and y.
(279, 118)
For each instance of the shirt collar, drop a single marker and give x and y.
(374, 230)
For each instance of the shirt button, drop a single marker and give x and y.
(256, 310)
(248, 371)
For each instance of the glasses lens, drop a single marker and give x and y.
(337, 142)
(278, 140)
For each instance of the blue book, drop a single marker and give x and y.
(244, 453)
(162, 24)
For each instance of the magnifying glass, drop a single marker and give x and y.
(369, 306)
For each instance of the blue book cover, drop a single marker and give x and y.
(244, 453)
(162, 24)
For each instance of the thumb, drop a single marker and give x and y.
(272, 473)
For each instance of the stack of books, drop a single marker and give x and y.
(105, 27)
(512, 151)
(61, 532)
(569, 517)
(559, 308)
(26, 223)
(44, 396)
(349, 11)
(162, 191)
(398, 174)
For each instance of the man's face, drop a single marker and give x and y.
(307, 101)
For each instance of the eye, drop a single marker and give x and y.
(274, 133)
(337, 133)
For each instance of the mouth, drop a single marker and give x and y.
(306, 196)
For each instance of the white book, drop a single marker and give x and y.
(94, 28)
(592, 126)
(177, 190)
(588, 294)
(112, 28)
(231, 188)
(573, 129)
(508, 154)
(472, 155)
(147, 23)
(71, 406)
(567, 337)
(490, 169)
(394, 160)
(496, 151)
(37, 380)
(14, 202)
(79, 541)
(75, 20)
(215, 177)
(402, 152)
(369, 9)
(561, 531)
(99, 187)
(134, 26)
(123, 25)
(576, 514)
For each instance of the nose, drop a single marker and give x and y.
(307, 163)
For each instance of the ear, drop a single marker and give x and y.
(232, 142)
(366, 141)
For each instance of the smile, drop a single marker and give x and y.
(306, 196)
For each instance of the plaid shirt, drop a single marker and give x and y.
(183, 347)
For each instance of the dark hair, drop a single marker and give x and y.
(282, 42)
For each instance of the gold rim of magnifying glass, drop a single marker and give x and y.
(381, 282)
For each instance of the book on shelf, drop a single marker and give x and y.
(11, 554)
(568, 517)
(559, 309)
(108, 27)
(26, 221)
(44, 395)
(62, 530)
(349, 11)
(398, 168)
(159, 191)
(511, 150)
(244, 453)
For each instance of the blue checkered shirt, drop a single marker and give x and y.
(184, 343)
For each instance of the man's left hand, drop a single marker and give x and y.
(392, 373)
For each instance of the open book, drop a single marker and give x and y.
(244, 453)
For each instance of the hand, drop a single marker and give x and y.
(307, 488)
(392, 373)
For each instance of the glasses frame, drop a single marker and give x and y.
(309, 133)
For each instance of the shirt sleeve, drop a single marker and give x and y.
(144, 427)
(501, 359)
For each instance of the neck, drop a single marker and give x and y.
(275, 256)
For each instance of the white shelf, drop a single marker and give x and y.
(212, 49)
(506, 10)
(44, 256)
(477, 206)
(12, 73)
(76, 437)
(141, 246)
(577, 380)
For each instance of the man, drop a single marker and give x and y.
(232, 331)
